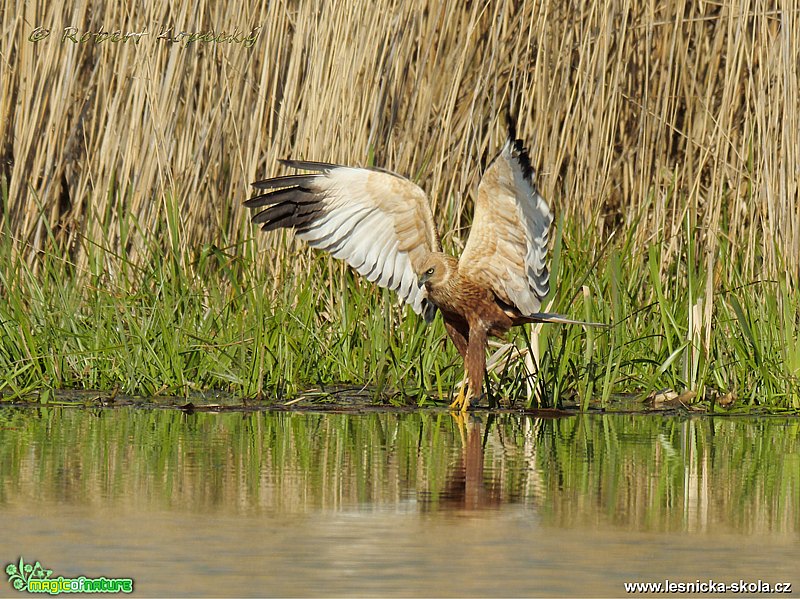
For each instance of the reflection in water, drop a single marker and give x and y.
(323, 500)
(466, 486)
(651, 473)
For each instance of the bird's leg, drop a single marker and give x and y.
(459, 400)
(462, 401)
(465, 403)
(458, 334)
(475, 363)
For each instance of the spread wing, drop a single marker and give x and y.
(507, 246)
(378, 222)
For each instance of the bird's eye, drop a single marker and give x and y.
(429, 271)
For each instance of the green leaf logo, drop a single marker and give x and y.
(20, 573)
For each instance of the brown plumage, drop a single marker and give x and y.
(381, 224)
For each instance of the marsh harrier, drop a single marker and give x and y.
(381, 224)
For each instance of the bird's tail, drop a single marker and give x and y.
(559, 319)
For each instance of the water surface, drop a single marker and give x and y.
(283, 503)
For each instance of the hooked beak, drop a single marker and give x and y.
(423, 278)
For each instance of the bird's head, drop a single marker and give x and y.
(436, 270)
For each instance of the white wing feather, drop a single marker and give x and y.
(378, 222)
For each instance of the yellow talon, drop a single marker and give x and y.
(456, 405)
(461, 402)
(465, 403)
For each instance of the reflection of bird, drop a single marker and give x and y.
(467, 487)
(381, 224)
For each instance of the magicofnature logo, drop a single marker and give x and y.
(34, 578)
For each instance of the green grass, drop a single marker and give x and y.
(180, 319)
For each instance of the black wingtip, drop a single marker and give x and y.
(308, 165)
(518, 149)
(511, 123)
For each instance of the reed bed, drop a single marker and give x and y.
(665, 135)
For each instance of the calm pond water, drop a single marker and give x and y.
(291, 503)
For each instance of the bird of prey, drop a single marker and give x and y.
(381, 224)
